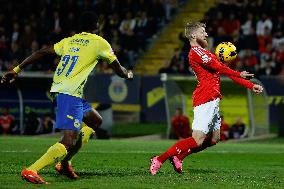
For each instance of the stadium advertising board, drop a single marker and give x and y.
(275, 90)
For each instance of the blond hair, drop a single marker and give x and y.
(190, 27)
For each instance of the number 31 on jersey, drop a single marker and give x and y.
(65, 61)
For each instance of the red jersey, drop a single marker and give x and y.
(224, 133)
(6, 121)
(207, 70)
(180, 125)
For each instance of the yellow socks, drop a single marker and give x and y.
(58, 151)
(53, 155)
(86, 134)
(83, 139)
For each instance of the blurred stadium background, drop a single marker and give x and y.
(147, 36)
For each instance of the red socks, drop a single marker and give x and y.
(181, 147)
(183, 155)
(207, 143)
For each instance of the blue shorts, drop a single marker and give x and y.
(70, 112)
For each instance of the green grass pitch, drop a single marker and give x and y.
(124, 164)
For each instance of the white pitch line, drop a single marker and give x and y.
(149, 152)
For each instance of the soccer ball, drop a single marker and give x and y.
(226, 52)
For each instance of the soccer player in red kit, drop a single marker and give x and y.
(206, 97)
(180, 124)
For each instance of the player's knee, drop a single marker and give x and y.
(97, 123)
(199, 137)
(216, 140)
(68, 145)
(199, 140)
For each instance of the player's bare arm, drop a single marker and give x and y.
(120, 70)
(10, 76)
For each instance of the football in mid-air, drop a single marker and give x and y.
(226, 52)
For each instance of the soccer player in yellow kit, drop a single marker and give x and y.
(79, 55)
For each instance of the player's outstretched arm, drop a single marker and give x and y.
(120, 70)
(246, 75)
(248, 84)
(10, 76)
(223, 69)
(241, 81)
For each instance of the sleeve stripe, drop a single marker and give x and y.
(198, 51)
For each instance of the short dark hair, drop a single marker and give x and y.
(192, 26)
(89, 21)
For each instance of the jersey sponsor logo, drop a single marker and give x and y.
(205, 58)
(80, 41)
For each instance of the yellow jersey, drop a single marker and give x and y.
(79, 55)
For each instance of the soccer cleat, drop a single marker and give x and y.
(177, 164)
(155, 165)
(67, 170)
(32, 177)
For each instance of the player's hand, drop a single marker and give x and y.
(257, 89)
(9, 77)
(129, 74)
(246, 75)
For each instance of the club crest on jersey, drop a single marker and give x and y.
(77, 123)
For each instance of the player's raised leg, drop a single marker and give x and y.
(91, 118)
(212, 138)
(70, 140)
(205, 116)
(180, 147)
(68, 119)
(53, 155)
(177, 160)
